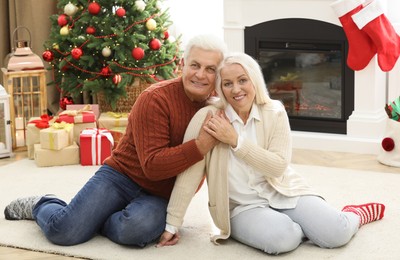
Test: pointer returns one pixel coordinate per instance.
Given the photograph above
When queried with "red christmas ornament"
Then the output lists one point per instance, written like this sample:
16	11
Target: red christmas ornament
117	79
90	30
62	20
120	12
76	53
65	68
388	144
155	44
94	8
64	101
166	35
138	53
106	71
48	56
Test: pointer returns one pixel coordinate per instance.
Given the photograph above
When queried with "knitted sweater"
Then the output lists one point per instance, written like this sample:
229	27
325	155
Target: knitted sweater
270	156
151	152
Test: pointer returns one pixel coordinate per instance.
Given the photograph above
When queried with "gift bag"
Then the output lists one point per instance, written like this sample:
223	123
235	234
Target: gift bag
390	146
389	153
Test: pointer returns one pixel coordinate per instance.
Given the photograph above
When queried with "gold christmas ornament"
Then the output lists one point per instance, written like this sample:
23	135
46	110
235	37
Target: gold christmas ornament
151	24
64	30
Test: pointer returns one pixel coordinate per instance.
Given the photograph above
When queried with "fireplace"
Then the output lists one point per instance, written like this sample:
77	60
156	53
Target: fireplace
304	66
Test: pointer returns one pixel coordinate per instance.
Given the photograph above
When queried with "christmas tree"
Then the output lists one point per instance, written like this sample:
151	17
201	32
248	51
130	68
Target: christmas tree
102	46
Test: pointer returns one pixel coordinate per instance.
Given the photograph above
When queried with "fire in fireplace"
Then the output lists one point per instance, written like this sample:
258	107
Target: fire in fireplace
304	65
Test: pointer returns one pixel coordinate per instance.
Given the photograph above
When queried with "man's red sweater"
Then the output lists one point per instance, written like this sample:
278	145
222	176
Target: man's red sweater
151	152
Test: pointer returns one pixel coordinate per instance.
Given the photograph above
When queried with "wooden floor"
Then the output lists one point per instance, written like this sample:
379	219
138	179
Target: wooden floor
309	157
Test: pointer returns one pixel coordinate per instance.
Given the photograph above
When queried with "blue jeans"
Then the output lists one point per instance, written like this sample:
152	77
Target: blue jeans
110	204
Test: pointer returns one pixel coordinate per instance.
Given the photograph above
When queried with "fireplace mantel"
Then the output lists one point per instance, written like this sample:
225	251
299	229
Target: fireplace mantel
373	88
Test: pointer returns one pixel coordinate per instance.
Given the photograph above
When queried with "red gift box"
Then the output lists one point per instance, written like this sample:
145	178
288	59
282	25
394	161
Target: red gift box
95	146
81	117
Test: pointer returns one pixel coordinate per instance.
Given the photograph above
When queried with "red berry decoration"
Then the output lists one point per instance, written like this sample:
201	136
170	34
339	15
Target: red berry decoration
90	30
138	53
62	20
388	144
106	71
64	101
166	35
76	53
155	44
94	8
48	56
117	79
120	12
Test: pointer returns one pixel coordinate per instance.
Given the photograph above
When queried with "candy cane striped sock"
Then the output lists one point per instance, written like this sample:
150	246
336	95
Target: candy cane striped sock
368	212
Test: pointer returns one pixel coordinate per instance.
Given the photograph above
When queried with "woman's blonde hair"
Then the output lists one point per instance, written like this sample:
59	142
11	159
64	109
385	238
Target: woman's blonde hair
252	69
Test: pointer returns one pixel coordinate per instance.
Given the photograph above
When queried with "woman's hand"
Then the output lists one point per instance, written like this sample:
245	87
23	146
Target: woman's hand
205	141
168	239
220	127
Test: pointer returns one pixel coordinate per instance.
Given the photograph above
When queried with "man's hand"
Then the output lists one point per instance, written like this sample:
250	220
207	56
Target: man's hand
168	239
205	142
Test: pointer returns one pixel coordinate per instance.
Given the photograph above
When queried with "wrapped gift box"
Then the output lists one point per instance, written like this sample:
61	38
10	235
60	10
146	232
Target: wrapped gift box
78	128
56	137
66	156
85	107
35	124
95	146
73	117
110	120
82	118
117	133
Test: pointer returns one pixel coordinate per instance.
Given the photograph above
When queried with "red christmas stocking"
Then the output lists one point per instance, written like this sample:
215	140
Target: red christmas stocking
361	47
373	21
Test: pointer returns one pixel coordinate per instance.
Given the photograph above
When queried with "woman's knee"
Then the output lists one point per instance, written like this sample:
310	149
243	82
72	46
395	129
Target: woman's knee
274	240
279	242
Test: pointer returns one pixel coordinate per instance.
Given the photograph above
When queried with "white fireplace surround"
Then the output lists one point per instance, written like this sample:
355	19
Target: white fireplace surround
373	88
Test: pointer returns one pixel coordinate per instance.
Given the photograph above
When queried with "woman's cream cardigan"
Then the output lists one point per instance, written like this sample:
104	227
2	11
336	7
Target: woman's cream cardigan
271	156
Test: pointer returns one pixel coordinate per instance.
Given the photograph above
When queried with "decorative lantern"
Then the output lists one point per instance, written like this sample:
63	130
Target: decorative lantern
5	128
25	81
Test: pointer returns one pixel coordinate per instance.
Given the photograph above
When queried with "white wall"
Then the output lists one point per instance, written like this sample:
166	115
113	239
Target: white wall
192	17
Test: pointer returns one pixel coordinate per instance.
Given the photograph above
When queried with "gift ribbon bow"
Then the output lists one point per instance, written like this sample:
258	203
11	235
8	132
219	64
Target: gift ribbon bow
43	122
86	108
117	115
62	125
96	135
59	126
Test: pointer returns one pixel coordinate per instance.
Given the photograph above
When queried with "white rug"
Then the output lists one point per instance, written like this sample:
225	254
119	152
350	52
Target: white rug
379	240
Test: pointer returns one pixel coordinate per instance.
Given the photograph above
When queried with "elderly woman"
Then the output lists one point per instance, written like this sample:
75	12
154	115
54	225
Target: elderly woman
255	197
